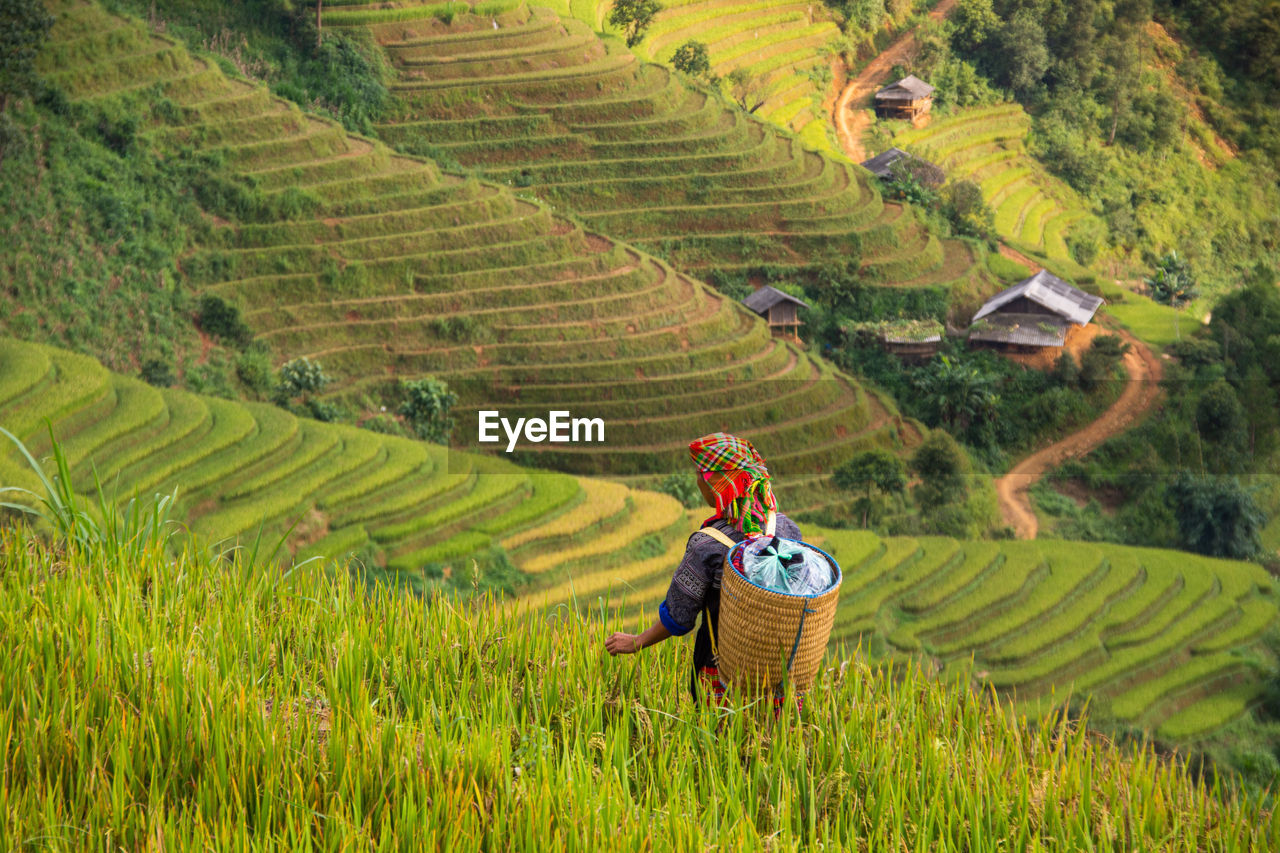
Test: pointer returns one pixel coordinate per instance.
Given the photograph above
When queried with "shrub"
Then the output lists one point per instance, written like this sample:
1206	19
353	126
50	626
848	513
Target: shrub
385	424
220	319
253	366
299	378
157	372
683	488
426	408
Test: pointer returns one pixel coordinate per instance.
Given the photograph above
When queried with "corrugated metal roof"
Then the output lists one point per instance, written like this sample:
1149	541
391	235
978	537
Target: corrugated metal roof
879	164
1035	330
1047	290
910	86
766	297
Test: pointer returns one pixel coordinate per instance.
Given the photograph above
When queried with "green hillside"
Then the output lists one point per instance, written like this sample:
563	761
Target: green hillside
405	505
383	267
987	145
230	707
1160	640
634	150
783	45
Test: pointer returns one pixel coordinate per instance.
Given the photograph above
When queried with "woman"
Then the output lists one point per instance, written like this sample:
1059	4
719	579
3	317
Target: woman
735	482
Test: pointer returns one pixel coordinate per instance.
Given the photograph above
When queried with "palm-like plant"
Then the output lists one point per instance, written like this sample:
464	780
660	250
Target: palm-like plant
1172	283
959	395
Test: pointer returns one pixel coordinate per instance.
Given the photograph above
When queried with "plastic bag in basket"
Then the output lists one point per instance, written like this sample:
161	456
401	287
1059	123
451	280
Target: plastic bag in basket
784	565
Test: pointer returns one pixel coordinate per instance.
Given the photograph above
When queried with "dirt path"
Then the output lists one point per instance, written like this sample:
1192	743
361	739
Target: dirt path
1014	255
858	91
1139	395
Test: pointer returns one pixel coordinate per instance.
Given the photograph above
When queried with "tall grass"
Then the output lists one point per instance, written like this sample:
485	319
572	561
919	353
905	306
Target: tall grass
167	702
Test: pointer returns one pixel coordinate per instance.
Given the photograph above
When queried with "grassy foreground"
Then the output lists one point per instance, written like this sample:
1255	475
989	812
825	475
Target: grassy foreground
161	703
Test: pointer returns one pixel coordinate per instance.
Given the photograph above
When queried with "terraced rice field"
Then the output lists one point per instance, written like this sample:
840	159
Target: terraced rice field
987	145
1158	639
401	270
238	466
542	103
779	42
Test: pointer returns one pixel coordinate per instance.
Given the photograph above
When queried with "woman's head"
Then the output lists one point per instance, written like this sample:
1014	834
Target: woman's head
734	479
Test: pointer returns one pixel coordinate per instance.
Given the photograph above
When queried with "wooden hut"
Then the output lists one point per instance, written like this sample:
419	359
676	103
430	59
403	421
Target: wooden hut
884	165
1036	312
909	98
778	308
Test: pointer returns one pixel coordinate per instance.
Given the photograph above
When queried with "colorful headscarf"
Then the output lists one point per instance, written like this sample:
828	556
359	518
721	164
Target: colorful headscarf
739	478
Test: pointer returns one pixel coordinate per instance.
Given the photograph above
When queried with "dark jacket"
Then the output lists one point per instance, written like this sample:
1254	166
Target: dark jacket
695	588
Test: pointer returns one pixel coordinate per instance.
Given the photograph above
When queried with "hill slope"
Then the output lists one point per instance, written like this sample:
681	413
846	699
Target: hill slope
387	268
987	145
1162	640
636	151
406	505
293	712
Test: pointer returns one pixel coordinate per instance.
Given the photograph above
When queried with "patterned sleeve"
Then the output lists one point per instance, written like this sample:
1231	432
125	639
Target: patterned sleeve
690	583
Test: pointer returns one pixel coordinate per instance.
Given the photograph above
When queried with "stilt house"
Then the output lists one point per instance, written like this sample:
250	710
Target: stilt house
779	308
908	99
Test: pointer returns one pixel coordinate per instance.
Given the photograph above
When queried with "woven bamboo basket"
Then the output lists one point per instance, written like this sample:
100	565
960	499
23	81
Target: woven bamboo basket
769	639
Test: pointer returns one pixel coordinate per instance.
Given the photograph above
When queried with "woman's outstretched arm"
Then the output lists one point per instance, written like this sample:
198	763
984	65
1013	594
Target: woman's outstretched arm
625	644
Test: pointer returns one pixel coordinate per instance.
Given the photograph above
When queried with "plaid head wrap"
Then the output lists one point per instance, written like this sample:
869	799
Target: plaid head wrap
739	478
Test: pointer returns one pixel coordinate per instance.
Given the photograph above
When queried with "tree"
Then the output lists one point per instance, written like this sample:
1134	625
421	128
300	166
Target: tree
23	27
958	395
943	470
743	86
1066	372
633	17
1023	57
975	24
871	471
426	407
1220	417
1172	282
1216	516
299	378
692	58
967	211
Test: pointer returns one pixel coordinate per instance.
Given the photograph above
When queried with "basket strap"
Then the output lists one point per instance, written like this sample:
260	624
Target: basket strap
718	536
780	691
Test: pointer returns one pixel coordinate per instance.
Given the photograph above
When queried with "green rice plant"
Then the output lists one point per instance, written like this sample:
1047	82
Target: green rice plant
1211	713
1075	614
1134	702
946	630
333	694
650	512
103	530
356	17
23	368
1257	615
137	405
186	414
228	424
77	381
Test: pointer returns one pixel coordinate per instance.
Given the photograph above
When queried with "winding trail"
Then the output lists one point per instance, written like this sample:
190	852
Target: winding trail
1138	397
850	123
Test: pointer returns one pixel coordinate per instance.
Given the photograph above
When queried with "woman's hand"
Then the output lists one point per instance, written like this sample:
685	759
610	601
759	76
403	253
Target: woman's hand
619	643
